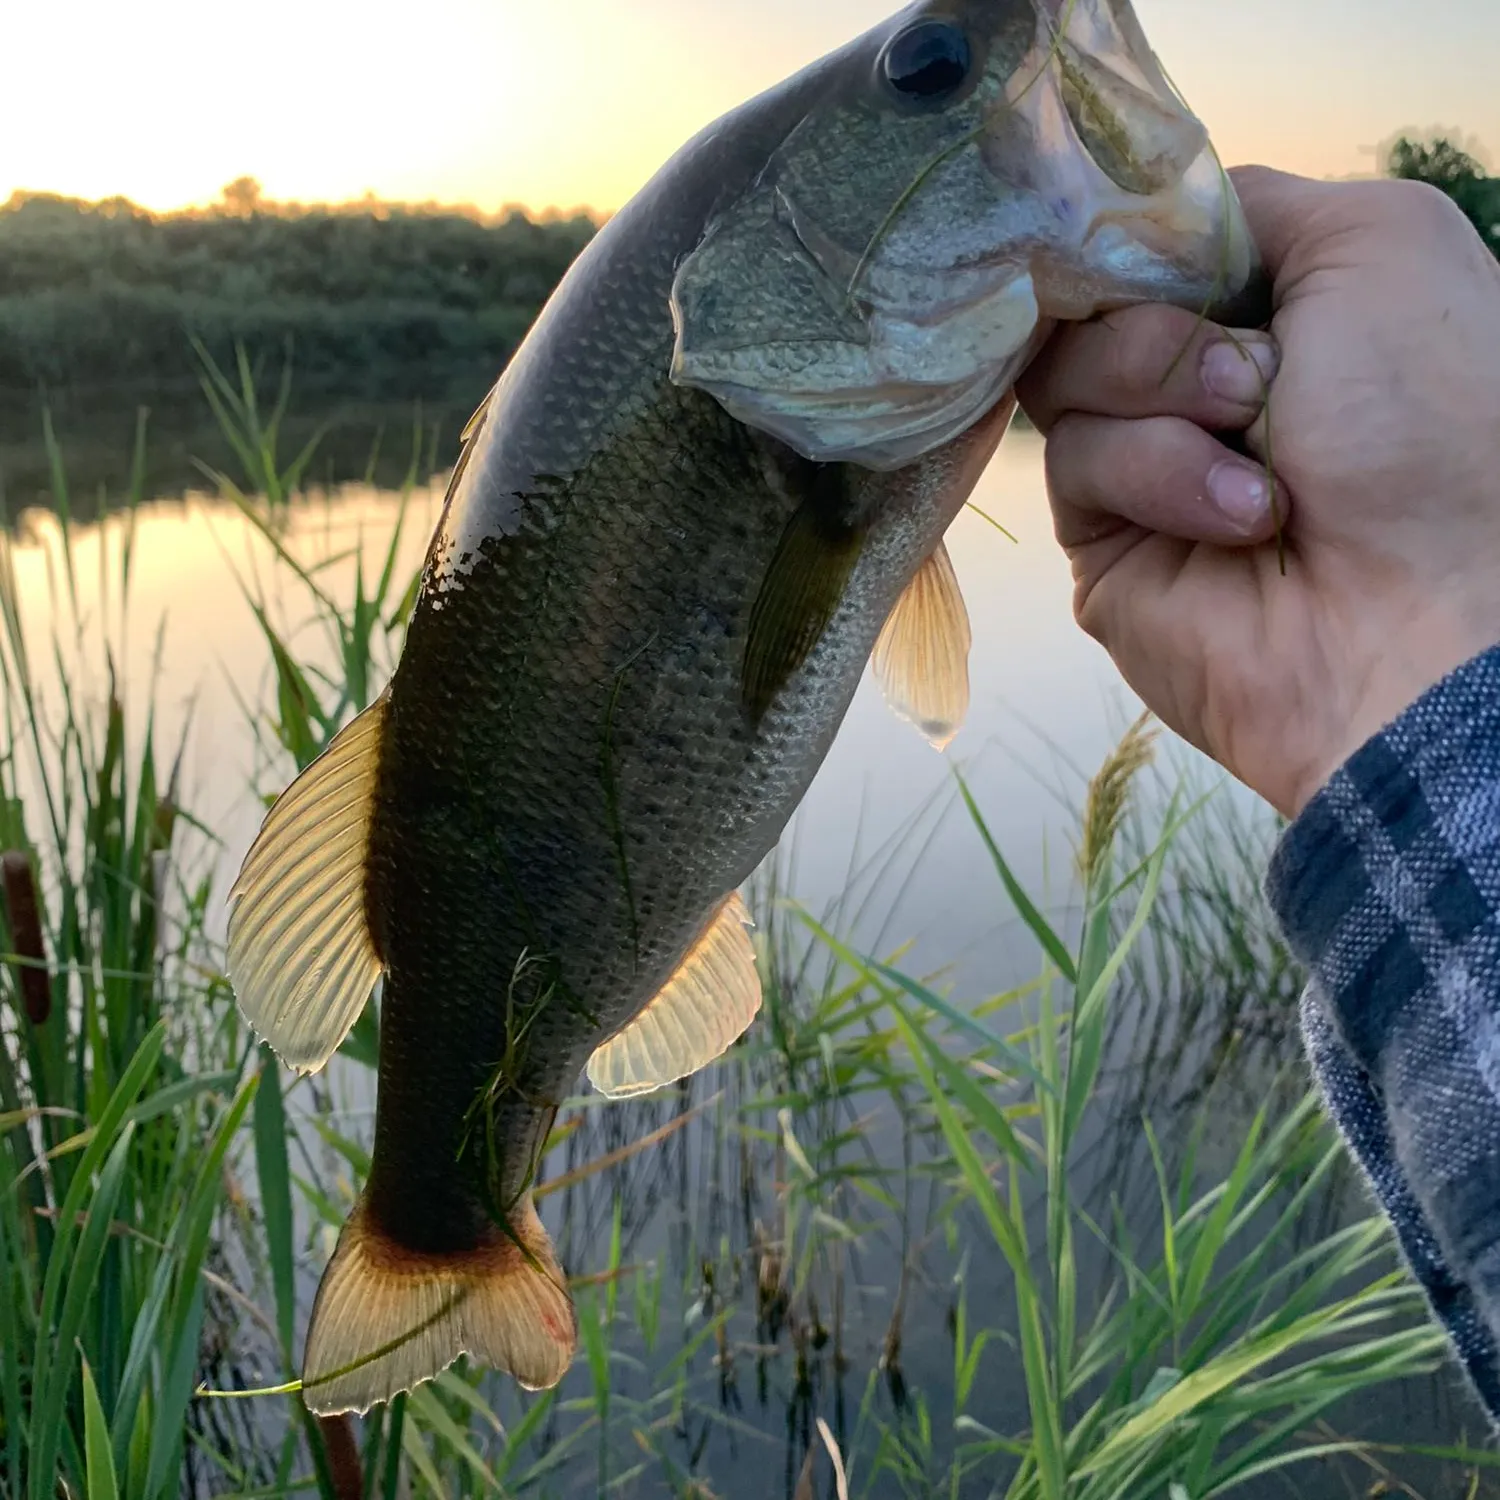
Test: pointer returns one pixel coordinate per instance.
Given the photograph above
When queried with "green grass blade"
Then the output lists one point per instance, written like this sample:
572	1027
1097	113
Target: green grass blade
184	1315
49	1403
45	1435
1040	928
1218	1375
14	1297
1014	1059
395	1426
987	1115
274	1174
139	1358
882	975
181	1367
420	1458
523	1432
424	1405
99	1459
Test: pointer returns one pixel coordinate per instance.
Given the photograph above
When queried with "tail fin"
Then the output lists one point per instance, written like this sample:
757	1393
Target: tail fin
387	1318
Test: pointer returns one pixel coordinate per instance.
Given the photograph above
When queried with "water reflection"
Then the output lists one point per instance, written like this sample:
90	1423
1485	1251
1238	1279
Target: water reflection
360	437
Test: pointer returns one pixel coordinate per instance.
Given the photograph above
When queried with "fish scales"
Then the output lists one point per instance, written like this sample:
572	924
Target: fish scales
617	706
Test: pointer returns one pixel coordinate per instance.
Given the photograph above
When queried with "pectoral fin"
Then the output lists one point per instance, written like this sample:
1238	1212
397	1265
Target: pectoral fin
802	590
300	955
698	1015
922	657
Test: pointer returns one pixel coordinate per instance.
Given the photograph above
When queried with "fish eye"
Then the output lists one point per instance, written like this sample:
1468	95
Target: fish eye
928	62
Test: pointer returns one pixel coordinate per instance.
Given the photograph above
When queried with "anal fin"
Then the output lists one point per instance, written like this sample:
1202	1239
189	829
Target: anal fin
387	1318
922	657
701	1011
300	955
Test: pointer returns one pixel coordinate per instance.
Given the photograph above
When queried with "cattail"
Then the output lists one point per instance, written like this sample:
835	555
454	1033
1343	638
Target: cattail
344	1467
24	915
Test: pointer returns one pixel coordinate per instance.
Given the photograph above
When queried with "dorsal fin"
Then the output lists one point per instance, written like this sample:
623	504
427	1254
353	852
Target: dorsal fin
300	956
922	657
697	1016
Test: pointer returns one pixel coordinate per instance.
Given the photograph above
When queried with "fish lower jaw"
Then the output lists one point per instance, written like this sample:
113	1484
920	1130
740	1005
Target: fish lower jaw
1070	294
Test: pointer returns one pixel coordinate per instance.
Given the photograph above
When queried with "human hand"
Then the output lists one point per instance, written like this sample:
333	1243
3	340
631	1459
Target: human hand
1383	427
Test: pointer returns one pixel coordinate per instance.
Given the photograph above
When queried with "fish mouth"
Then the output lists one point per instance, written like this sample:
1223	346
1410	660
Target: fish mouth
1141	207
1109	190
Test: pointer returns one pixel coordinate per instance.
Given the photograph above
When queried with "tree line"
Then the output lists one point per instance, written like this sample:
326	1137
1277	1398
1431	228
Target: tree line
369	297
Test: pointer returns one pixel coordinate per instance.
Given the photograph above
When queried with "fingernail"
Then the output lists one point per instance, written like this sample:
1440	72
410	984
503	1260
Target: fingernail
1240	493
1241	368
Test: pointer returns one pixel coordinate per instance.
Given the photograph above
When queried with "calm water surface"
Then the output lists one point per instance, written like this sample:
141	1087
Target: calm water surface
880	822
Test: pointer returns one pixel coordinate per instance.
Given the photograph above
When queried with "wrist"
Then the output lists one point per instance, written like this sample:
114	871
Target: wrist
1416	658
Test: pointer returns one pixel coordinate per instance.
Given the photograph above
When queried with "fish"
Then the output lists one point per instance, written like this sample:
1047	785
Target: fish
708	490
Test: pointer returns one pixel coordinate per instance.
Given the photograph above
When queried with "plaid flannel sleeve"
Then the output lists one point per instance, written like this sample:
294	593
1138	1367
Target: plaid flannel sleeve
1388	888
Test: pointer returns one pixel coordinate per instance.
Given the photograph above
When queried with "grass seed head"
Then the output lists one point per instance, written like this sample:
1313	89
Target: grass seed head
1109	796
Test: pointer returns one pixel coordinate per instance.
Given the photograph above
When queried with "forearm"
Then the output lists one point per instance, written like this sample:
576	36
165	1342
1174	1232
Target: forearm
1388	887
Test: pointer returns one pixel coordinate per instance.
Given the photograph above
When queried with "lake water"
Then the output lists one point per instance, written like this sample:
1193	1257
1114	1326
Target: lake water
882	820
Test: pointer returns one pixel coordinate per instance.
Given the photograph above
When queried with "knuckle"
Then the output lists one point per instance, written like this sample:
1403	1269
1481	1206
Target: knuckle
1416	206
1147	343
1086	613
1092	610
1068	455
1083	616
1421	198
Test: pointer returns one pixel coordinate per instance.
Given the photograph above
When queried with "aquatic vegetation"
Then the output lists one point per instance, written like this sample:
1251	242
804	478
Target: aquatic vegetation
869	1248
122	1080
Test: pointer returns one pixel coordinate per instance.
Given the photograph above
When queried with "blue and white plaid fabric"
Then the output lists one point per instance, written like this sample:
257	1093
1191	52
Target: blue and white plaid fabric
1388	888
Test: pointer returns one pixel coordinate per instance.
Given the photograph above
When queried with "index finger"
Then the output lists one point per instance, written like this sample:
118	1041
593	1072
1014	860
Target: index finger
1150	361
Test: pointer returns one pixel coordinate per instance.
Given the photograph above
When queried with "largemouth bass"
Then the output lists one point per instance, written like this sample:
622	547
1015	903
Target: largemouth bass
711	485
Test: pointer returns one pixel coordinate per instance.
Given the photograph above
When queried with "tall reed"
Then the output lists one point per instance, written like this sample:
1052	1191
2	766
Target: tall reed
121	1061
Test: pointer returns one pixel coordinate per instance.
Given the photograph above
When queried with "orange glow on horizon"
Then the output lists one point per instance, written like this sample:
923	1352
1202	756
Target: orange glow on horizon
505	101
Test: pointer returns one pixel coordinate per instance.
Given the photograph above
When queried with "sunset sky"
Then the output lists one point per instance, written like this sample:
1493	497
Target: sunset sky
574	102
